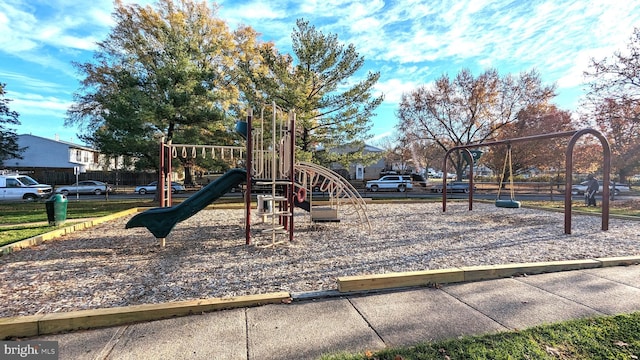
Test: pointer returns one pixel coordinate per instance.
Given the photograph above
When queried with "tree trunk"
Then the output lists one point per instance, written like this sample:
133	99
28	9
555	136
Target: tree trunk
305	139
188	177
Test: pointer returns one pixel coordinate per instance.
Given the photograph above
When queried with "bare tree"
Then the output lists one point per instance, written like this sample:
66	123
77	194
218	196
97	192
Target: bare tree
468	109
617	78
543	154
613	101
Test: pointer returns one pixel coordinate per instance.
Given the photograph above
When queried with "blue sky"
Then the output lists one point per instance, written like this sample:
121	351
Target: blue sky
411	43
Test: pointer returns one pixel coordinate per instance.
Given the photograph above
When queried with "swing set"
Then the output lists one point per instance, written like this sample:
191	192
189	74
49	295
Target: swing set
512	203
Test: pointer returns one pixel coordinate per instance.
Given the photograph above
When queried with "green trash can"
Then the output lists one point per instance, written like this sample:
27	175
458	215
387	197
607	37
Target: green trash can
56	209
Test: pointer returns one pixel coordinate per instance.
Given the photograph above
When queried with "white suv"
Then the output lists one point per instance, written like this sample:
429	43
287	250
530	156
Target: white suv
22	187
391	182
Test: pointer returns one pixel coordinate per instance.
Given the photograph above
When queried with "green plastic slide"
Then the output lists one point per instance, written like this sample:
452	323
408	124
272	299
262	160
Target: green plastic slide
160	221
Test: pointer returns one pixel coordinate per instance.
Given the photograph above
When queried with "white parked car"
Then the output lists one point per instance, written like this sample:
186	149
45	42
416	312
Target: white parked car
400	183
440	174
22	187
84	187
618	188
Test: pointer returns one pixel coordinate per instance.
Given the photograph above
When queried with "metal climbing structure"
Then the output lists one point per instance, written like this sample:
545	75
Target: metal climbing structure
169	151
342	195
272	167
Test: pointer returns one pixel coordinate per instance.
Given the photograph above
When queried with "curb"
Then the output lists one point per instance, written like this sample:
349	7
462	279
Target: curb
45	324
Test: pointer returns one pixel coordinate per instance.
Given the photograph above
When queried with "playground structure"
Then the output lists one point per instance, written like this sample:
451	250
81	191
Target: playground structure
575	135
269	159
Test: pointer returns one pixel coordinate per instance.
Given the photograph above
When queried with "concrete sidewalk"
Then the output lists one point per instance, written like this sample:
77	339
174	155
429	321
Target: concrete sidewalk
308	328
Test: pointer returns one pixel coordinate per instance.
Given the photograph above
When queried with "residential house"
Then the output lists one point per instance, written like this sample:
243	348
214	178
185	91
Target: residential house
44	157
357	171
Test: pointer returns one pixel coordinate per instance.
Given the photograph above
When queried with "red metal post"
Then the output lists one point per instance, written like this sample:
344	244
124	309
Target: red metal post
444	177
249	167
167	188
161	174
606	169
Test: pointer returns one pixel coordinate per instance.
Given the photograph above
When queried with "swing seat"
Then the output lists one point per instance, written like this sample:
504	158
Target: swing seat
508	204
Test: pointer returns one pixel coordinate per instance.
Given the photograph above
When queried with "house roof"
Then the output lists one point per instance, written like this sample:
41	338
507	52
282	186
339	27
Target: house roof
68	143
347	148
372	148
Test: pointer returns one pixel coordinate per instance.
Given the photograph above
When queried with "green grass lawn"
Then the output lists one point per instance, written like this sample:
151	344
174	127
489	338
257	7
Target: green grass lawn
612	337
17	217
617	207
16	233
28	212
22	220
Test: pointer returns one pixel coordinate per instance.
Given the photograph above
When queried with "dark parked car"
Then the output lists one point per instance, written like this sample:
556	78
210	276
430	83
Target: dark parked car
419	180
455	186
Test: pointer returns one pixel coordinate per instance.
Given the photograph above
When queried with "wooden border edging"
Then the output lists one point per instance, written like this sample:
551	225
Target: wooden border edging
397	280
39	239
37	325
472	273
619	261
476	273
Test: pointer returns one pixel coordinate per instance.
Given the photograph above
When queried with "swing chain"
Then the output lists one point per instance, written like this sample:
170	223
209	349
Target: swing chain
507	157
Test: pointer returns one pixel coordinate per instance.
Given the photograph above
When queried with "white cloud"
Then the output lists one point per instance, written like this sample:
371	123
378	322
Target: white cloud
394	88
365	25
555	37
251	13
380	137
15	25
27	104
66	25
31	83
102	17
